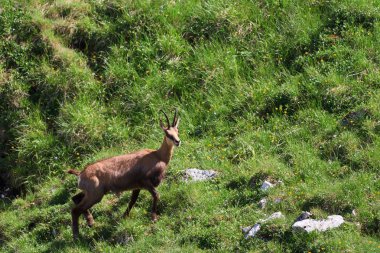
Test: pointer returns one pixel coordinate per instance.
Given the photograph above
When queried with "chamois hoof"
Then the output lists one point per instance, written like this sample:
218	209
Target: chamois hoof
89	219
125	215
75	237
154	217
90	223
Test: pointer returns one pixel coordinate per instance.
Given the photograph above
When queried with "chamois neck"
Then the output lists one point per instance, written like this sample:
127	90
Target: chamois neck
165	152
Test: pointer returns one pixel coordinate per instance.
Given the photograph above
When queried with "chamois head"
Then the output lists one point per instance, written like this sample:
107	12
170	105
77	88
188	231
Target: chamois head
171	131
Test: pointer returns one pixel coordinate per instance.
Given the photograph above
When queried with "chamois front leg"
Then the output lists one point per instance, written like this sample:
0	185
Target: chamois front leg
156	197
135	194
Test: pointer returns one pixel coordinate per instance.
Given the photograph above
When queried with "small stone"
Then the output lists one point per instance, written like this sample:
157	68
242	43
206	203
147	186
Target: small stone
354	212
304	215
309	225
263	203
193	174
253	231
277	200
246	229
2	196
266	185
276	215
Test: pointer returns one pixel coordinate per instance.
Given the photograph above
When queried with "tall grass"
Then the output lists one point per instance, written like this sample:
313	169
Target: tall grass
286	90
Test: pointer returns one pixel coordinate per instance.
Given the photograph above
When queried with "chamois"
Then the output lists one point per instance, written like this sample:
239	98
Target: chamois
143	169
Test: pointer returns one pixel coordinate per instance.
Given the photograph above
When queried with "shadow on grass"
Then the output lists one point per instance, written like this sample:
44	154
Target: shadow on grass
61	197
58	246
331	204
86	238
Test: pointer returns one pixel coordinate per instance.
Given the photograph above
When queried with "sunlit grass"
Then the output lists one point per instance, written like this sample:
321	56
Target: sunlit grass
286	91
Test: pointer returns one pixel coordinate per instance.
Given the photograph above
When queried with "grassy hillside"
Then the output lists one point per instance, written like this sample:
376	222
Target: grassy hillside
286	90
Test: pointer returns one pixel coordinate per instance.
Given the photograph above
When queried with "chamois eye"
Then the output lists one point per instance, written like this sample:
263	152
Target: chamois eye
170	137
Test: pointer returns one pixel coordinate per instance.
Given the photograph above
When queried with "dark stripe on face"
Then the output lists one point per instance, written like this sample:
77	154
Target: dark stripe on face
170	137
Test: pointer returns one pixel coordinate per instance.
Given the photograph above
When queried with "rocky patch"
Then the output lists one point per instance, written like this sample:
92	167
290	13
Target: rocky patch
308	225
194	174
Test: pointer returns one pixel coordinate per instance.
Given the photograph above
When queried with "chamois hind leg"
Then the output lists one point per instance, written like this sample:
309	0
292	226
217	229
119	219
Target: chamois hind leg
87	215
87	202
135	194
155	197
78	198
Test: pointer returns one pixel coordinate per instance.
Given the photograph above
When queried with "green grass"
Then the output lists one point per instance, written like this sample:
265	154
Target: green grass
287	90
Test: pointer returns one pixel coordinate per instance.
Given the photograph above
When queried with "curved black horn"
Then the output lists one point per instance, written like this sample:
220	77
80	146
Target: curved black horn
166	116
175	117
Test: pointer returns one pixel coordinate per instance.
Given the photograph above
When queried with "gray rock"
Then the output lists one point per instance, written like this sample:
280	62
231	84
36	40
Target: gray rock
309	225
193	174
266	185
263	203
276	215
252	231
246	229
304	215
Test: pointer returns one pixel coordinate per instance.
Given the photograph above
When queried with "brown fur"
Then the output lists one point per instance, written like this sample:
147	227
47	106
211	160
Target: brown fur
143	169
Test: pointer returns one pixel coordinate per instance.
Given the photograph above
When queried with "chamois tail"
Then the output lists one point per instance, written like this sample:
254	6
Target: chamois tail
74	172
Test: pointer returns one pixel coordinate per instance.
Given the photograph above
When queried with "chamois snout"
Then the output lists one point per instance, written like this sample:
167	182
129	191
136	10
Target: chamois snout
177	143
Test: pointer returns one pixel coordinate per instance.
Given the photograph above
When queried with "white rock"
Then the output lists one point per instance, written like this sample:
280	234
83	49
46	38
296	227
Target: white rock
266	185
277	200
253	231
354	212
309	225
276	215
246	229
193	174
263	203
